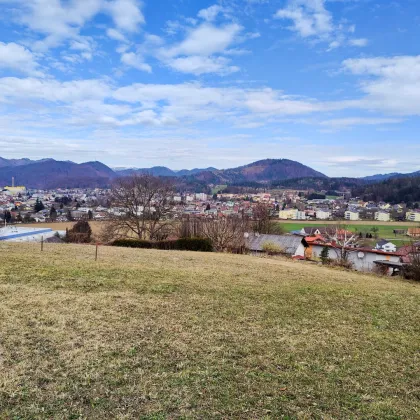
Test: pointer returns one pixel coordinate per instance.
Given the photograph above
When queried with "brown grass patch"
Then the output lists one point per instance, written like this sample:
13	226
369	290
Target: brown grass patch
165	334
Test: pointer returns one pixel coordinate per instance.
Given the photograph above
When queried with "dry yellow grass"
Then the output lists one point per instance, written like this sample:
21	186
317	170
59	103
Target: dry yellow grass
95	225
164	334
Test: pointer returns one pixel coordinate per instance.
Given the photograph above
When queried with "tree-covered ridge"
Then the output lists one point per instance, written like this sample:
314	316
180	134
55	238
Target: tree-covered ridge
396	190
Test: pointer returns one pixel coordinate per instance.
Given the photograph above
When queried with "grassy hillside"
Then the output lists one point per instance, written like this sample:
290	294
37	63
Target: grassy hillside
156	334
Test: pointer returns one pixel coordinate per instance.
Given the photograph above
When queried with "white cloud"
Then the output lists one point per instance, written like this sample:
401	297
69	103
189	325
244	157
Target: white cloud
88	100
392	84
15	57
353	121
13	88
114	34
206	40
310	17
210	13
198	65
361	161
272	102
126	14
358	42
136	61
312	20
60	20
202	50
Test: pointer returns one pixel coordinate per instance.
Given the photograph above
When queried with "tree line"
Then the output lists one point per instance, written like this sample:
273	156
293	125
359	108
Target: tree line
395	190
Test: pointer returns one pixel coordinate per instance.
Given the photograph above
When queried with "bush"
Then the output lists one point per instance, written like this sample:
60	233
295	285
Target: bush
342	263
183	244
412	271
194	244
325	257
272	249
80	233
133	243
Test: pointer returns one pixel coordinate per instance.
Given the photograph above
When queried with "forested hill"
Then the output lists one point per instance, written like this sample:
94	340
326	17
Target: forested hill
319	184
395	190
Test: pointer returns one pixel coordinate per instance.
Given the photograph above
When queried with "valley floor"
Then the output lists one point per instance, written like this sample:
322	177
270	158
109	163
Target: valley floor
165	334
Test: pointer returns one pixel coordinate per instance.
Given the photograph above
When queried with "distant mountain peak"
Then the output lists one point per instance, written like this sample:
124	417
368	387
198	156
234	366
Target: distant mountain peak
50	173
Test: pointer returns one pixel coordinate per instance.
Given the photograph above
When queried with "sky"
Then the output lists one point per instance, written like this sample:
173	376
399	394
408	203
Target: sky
333	84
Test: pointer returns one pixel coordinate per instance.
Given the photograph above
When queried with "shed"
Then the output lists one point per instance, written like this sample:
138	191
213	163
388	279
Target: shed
291	244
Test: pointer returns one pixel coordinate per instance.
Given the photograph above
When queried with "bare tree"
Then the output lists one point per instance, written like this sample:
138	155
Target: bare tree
262	223
412	269
141	207
226	233
190	227
341	240
261	214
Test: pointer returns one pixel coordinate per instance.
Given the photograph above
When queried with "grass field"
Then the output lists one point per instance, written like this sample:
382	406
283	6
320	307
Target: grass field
161	334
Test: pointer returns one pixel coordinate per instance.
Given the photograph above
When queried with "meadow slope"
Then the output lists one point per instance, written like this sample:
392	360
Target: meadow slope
162	334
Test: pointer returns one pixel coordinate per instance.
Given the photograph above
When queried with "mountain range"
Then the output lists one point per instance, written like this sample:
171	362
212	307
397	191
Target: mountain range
52	174
161	171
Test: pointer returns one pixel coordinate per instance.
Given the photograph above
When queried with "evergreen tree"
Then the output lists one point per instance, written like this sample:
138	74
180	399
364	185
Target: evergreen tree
325	255
39	206
53	213
8	216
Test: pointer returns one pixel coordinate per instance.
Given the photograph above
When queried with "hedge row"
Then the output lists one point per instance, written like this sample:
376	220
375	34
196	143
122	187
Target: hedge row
183	244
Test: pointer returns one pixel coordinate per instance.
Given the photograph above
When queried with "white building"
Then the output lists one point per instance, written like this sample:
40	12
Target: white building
26	234
201	197
386	246
300	215
293	214
362	259
413	216
323	214
382	216
351	215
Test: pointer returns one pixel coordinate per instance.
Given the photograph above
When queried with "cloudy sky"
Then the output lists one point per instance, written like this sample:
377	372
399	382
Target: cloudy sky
334	84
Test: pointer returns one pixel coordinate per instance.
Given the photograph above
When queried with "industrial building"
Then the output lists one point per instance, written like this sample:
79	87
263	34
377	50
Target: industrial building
26	234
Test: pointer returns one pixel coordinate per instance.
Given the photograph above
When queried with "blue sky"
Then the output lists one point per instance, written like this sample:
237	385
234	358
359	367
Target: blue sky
334	84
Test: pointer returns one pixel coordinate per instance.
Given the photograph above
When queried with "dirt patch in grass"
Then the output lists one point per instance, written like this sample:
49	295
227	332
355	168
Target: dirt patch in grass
164	334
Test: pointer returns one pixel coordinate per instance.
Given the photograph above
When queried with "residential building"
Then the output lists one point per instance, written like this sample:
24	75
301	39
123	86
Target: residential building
288	214
300	215
386	246
323	214
294	214
351	215
382	216
413	216
362	259
201	197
